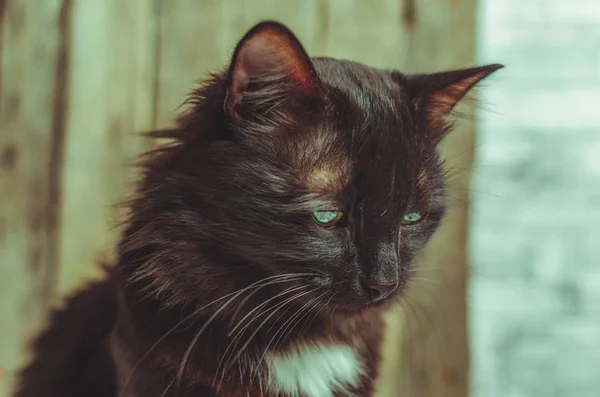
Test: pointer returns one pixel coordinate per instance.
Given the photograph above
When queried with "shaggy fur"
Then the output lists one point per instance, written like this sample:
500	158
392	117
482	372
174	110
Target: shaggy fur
222	270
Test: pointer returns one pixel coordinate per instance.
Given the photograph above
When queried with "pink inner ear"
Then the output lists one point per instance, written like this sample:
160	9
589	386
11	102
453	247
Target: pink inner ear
270	52
443	101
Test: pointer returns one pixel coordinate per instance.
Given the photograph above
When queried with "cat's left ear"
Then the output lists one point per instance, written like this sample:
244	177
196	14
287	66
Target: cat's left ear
438	93
268	65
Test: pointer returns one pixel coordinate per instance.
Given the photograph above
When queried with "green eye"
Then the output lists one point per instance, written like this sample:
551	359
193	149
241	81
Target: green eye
327	218
411	219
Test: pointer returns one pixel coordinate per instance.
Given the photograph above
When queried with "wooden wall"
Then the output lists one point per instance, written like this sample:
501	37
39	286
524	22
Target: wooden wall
79	77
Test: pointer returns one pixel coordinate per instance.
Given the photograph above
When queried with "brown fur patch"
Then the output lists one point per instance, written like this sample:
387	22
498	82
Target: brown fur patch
323	168
329	178
422	180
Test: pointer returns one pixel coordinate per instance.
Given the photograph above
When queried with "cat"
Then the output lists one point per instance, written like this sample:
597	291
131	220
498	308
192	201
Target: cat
266	240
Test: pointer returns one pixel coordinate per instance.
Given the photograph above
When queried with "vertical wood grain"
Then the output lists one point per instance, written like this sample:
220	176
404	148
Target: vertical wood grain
111	92
196	38
367	32
33	55
435	348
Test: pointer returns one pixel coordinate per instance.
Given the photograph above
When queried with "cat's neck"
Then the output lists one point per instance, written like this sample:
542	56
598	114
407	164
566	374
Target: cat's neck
211	344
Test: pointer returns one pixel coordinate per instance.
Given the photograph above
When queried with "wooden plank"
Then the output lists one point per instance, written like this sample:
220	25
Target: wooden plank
368	32
435	350
196	38
111	97
31	107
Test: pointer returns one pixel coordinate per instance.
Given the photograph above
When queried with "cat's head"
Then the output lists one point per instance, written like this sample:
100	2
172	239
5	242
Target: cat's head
321	169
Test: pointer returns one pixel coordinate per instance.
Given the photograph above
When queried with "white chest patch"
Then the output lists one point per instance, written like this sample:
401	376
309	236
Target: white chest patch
314	370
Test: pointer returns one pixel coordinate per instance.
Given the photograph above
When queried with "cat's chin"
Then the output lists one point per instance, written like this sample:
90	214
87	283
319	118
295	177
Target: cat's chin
367	307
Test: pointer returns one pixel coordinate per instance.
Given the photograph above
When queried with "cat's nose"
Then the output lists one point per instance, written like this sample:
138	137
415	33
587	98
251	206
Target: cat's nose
381	291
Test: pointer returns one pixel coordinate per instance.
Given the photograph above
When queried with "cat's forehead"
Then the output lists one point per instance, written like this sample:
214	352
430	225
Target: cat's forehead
335	156
367	138
362	84
377	178
324	163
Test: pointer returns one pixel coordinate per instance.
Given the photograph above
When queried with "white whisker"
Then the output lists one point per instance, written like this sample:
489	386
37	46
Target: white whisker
241	331
237	293
277	308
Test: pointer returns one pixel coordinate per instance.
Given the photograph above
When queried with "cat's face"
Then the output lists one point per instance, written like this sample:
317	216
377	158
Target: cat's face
319	168
351	189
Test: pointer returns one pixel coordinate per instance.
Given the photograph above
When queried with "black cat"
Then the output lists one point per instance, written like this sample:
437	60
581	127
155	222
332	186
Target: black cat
265	242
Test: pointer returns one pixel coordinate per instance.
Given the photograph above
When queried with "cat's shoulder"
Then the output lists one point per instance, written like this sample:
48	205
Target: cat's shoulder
73	337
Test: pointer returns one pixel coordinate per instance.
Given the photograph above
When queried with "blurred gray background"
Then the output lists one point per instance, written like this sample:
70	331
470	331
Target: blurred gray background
534	296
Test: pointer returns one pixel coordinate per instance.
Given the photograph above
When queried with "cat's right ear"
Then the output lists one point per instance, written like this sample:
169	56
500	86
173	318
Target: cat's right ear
438	93
267	66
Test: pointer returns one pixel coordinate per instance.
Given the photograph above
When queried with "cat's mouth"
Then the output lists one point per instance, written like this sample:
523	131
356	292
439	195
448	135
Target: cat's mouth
357	309
353	299
354	295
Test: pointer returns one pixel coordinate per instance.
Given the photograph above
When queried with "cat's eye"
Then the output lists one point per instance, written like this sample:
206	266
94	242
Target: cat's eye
411	219
327	218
